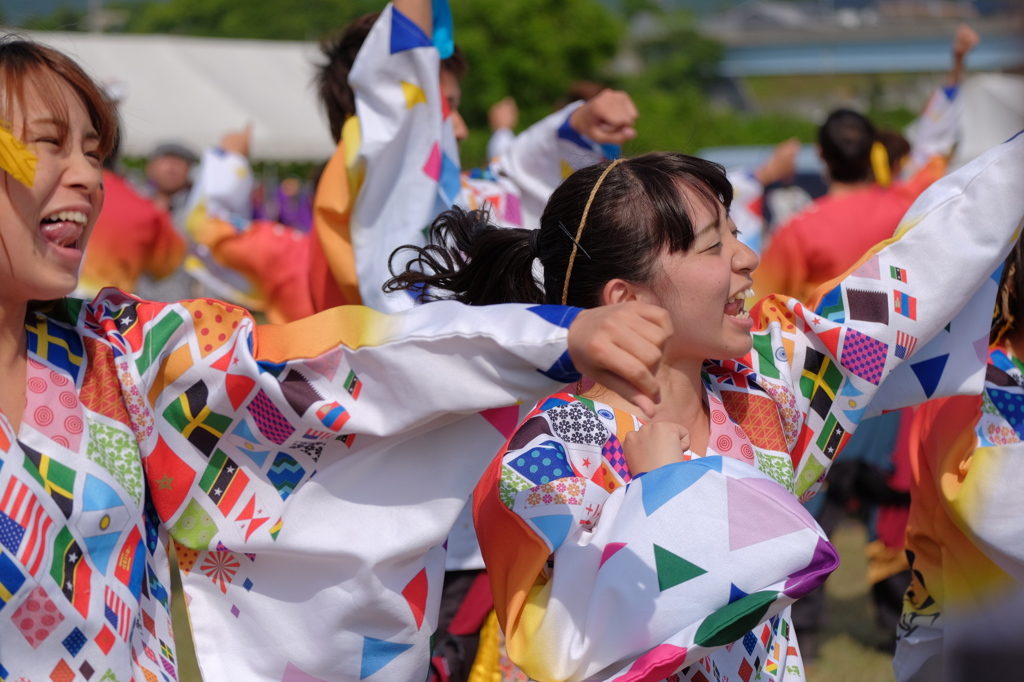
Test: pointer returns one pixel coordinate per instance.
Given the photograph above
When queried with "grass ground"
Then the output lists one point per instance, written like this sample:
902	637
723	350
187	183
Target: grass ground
849	646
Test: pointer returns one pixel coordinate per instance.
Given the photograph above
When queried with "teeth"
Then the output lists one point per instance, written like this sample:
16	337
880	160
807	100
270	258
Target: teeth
746	293
69	216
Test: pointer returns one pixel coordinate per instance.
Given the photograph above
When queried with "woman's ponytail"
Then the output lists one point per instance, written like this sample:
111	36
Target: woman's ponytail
468	259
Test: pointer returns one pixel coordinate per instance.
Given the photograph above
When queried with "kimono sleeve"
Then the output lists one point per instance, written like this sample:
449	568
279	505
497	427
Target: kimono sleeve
339	449
543	155
573	567
402	158
909	322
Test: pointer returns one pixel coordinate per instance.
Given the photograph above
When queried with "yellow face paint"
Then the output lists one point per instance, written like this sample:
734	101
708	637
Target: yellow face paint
16	159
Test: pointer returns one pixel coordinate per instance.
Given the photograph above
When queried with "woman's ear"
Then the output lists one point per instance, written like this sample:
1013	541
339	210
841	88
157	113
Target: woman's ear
620	291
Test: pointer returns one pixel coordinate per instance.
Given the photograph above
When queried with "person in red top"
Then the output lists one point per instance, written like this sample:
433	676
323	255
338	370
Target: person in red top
132	236
825	239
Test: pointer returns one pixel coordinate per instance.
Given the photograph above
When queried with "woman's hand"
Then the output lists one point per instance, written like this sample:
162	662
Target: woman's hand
620	346
654	445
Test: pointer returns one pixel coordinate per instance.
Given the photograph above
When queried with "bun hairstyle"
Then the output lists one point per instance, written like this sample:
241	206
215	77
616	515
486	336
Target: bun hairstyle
638	210
846	138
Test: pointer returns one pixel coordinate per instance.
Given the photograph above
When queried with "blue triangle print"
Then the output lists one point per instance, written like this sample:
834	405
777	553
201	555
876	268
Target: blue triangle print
451	178
998	274
554	528
100	548
377	653
405	34
664	483
735	593
929	372
558	315
849	390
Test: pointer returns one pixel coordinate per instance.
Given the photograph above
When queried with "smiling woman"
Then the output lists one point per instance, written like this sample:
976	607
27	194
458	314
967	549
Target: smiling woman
126	425
631	547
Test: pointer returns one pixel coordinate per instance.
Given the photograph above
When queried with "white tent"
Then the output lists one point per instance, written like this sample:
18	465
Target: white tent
193	90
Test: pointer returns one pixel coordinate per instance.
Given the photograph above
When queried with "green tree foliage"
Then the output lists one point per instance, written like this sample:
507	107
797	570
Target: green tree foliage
62	19
260	19
531	49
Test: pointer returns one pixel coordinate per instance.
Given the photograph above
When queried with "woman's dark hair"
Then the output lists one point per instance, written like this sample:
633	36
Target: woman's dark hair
1010	299
638	211
845	139
896	147
332	77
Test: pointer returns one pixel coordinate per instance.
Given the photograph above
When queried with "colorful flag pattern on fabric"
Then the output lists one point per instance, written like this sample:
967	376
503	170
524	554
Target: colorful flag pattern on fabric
436	438
823	372
58	480
200	425
104	557
71	571
117	613
11	578
60	347
223	481
904	304
24	525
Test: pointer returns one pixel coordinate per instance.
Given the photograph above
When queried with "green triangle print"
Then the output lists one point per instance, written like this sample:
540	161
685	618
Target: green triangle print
673	569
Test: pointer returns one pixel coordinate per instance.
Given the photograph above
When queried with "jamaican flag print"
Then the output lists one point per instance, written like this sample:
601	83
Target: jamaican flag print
190	415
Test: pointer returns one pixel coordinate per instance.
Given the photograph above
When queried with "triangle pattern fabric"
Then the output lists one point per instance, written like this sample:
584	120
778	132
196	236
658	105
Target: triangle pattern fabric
377	653
981	349
869	269
405	34
657	664
415	594
673	569
929	372
735	593
292	673
824	560
751	523
238	388
505	419
610	550
672	480
553	528
830	337
556	314
433	165
413	95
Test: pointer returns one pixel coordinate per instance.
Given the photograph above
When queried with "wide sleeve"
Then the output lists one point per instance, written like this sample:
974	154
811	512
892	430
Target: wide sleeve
909	322
543	155
401	154
576	560
936	132
317	467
